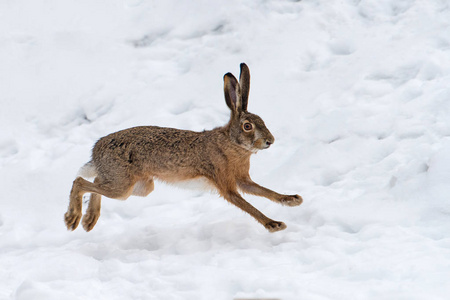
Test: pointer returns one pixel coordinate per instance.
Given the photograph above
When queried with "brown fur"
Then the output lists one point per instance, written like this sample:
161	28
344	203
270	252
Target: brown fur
126	162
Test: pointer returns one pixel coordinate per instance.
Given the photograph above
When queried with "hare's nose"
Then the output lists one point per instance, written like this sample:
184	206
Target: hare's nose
269	142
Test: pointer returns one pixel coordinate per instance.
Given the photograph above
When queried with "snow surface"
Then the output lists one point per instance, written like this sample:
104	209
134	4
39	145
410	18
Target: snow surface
356	93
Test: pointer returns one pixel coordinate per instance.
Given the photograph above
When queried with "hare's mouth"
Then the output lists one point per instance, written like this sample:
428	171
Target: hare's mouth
261	144
266	146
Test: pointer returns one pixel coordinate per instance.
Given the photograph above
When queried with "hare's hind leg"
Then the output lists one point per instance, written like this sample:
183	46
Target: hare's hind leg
143	187
118	188
93	211
73	215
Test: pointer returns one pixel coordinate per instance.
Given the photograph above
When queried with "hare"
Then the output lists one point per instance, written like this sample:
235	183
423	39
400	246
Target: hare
126	162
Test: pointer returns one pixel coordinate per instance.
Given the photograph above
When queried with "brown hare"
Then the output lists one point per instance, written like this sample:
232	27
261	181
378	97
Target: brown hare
126	162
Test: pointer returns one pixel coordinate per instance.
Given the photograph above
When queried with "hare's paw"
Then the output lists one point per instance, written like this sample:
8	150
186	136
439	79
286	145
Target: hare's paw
274	226
72	219
89	220
291	200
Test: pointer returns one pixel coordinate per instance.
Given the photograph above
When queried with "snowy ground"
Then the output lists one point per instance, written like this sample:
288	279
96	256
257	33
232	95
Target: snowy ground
357	94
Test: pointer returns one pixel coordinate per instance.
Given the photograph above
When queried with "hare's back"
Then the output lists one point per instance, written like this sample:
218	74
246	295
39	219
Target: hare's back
146	145
147	138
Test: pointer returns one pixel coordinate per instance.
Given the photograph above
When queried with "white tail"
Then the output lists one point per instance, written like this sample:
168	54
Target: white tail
87	171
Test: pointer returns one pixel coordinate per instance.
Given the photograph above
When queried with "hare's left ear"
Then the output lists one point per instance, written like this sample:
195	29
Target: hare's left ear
244	82
232	93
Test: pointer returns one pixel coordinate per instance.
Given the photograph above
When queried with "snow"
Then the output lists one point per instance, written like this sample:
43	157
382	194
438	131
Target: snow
356	94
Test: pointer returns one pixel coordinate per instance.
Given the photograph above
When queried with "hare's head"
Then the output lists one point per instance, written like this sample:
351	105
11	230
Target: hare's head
246	129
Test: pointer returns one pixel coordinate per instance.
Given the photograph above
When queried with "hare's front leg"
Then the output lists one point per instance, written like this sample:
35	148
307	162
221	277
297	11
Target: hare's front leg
240	202
250	187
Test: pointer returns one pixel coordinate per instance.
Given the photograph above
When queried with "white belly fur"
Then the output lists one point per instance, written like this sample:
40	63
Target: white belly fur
201	183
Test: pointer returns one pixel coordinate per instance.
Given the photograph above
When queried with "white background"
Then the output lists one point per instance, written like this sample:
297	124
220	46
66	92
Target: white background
356	93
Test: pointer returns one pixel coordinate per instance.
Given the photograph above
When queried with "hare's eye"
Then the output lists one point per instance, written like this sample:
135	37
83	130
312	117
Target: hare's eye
248	126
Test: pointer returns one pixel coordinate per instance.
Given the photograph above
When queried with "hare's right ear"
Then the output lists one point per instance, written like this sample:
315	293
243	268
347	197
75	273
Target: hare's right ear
244	83
232	92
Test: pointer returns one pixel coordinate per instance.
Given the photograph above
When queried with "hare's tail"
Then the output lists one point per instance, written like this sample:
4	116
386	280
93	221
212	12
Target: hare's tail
87	171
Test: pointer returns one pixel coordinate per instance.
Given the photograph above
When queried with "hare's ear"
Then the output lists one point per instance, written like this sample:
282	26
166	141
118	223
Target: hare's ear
244	82
232	92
